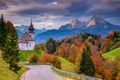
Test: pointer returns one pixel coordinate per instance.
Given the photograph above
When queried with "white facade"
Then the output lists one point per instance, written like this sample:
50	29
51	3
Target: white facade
27	46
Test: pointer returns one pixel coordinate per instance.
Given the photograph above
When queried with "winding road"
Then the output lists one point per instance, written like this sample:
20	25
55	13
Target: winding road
41	72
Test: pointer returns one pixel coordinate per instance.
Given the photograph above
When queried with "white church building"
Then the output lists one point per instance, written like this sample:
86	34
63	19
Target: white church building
26	41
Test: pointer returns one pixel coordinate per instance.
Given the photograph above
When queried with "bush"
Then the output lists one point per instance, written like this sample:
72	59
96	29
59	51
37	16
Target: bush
33	58
47	58
56	62
51	59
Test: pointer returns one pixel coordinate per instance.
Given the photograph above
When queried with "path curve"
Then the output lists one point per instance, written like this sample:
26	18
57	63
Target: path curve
41	72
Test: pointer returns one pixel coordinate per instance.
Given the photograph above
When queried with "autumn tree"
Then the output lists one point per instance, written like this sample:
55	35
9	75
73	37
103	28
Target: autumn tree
11	50
37	48
56	62
117	60
110	70
87	66
63	50
73	53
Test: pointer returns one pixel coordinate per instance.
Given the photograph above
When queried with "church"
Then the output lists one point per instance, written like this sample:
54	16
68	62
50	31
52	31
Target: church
26	41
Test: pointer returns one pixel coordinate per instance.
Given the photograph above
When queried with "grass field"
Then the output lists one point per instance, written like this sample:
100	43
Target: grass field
68	66
112	54
24	54
6	73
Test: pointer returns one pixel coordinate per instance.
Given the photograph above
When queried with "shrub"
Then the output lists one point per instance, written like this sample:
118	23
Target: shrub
33	58
56	62
47	58
51	59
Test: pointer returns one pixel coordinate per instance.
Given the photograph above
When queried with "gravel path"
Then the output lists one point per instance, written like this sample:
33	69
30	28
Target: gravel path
41	72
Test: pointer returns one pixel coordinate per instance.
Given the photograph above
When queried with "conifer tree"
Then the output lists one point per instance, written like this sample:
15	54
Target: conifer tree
3	32
51	46
11	50
87	66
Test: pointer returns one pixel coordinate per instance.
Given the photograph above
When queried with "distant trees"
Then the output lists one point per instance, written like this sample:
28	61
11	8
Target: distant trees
9	44
90	59
87	66
111	42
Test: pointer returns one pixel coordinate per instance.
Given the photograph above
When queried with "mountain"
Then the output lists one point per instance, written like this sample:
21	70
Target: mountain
96	25
24	28
73	25
21	29
61	34
97	21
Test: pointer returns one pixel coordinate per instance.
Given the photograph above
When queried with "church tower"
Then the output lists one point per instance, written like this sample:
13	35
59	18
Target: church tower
31	30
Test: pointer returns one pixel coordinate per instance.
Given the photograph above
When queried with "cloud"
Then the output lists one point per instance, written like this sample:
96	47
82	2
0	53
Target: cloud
79	8
51	21
105	6
3	5
54	13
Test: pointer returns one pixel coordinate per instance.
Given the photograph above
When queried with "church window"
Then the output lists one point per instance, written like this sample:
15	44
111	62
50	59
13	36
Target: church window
30	44
26	44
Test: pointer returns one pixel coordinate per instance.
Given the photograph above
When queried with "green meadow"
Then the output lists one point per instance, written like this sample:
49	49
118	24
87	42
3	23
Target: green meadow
112	54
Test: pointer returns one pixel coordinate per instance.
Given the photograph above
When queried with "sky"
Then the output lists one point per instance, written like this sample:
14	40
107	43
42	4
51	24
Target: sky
51	14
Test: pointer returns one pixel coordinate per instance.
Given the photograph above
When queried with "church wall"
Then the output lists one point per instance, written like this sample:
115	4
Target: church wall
27	46
22	46
31	45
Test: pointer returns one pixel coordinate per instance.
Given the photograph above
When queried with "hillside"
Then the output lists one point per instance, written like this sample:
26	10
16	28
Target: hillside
5	72
68	66
24	54
112	54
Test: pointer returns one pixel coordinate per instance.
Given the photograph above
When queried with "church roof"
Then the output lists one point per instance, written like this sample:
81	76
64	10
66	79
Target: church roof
25	38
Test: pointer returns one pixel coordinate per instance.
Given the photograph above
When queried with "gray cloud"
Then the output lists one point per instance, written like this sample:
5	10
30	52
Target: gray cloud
62	10
105	5
3	5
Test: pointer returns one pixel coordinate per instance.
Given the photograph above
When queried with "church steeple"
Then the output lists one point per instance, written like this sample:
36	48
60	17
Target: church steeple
31	28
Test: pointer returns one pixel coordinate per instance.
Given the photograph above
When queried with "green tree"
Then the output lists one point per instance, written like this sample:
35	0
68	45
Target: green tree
86	65
3	33
51	46
11	50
